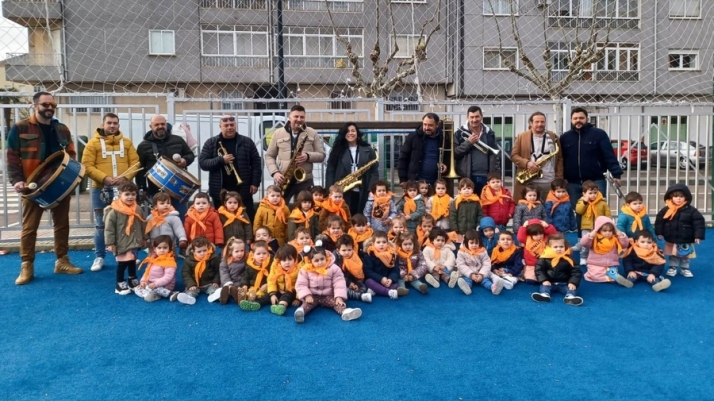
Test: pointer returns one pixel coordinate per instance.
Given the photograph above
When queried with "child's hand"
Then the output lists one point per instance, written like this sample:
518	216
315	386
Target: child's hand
389	283
497	230
409	277
183	244
192	288
215	285
477	278
339	302
651	278
383	281
308	299
438	270
112	248
571	286
500	271
151	286
263	288
544	223
546	283
274	299
354	287
296	302
632	275
697	241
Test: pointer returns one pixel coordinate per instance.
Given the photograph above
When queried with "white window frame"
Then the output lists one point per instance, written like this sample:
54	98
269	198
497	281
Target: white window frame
227	104
235	30
672	2
617	48
161	32
300	32
410	45
573	9
680	53
411	1
565	48
500	5
498	50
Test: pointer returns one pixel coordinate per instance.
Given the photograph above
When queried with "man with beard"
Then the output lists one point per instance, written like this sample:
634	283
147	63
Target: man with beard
159	142
29	143
419	155
471	161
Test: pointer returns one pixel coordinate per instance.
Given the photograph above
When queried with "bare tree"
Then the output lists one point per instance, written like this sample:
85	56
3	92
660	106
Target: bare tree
386	72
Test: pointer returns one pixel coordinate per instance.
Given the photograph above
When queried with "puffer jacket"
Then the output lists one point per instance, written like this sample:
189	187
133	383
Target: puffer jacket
588	222
632	263
171	227
265	216
279	153
466	217
522	214
501	213
375	269
213	231
167	147
331	284
419	268
414	217
529	258
250	275
686	226
488	243
247	162
468	264
237	229
446	258
624	224
514	264
465	150
276	283
231	273
587	154
562	218
412	152
609	259
115	230
211	275
562	273
98	167
162	277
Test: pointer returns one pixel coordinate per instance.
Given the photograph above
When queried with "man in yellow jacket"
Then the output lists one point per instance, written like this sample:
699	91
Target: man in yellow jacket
109	159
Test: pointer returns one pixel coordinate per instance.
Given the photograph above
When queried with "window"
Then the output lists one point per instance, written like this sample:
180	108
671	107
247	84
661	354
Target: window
401	100
499	59
244	4
621	62
579	13
319	47
680	60
499	7
98	100
340	104
321	5
620	57
685	8
161	43
407	44
227	102
244	41
410	1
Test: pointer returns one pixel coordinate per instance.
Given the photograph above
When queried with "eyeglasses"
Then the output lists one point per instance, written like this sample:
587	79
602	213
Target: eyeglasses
227	119
48	105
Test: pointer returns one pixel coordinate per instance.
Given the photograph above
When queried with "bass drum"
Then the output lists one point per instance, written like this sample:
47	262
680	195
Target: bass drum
56	178
172	179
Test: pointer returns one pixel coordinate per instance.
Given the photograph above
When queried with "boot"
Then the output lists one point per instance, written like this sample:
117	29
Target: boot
27	272
63	266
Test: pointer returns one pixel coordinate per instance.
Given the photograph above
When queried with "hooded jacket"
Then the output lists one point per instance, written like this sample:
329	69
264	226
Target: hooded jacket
115	234
213	231
686	226
601	209
563	217
414	217
99	166
465	151
609	259
211	275
528	257
562	273
331	284
488	243
166	147
587	154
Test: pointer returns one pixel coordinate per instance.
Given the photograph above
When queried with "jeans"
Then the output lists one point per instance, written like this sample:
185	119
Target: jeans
575	192
31	218
208	289
98	205
414	283
479	183
643	277
485	283
558	287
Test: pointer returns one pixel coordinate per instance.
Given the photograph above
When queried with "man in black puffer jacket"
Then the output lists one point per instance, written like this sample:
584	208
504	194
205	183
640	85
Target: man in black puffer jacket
419	154
242	153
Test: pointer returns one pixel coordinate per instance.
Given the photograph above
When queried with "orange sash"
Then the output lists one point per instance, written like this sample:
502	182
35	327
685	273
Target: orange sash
231	217
130	211
549	253
277	271
602	245
590	211
501	256
166	261
531	204
279	209
672	209
489	196
299	217
637	222
354	266
201	265
335	208
460	199
158	219
368	233
440	206
652	256
551	198
262	270
409	205
197	220
406	256
387	257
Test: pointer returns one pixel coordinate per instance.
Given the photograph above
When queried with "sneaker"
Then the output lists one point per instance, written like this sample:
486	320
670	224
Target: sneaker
151	297
393	294
277	309
215	295
402	292
299	315
174	296
662	285
453	277
577	248
238	294
573	300
133	282
249	306
431	280
186	299
423	288
226	294
540	297
122	288
508	283
583	262
351	314
464	286
63	266
685	272
366	297
623	281
497	287
97	264
672	271
371	292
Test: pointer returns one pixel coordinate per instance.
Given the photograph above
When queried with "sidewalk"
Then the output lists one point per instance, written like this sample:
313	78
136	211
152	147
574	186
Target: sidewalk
79	239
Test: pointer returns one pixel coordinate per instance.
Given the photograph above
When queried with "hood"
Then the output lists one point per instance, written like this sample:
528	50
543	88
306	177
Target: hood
487	222
110	139
601	221
679	187
149	136
174	213
533	221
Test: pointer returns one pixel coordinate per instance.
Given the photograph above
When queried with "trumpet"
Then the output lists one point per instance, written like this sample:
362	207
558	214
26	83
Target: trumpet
230	168
485	149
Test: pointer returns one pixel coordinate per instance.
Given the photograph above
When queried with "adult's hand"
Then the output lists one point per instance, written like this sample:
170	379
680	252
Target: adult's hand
253	189
403	185
617	181
19	186
182	163
279	178
228	158
532	166
473	138
301	158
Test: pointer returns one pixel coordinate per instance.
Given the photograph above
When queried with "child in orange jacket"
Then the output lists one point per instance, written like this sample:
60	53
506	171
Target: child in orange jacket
202	220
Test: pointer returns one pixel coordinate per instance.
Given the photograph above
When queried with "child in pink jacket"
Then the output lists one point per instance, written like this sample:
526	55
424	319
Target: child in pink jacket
606	243
159	279
321	282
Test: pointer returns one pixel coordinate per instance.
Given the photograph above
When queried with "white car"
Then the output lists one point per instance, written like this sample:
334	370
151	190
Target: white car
679	154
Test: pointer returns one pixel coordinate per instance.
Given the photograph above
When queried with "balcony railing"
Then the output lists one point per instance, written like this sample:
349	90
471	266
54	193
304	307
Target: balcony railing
321	5
33	59
600	76
239	4
316	62
234	61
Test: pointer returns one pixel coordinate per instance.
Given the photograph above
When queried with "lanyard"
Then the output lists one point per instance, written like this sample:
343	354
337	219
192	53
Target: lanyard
542	147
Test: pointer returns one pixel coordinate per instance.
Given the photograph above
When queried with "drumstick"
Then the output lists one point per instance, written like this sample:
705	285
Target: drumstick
32	186
127	172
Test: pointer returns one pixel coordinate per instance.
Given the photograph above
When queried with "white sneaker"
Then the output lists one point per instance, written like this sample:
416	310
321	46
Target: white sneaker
215	296
367	297
393	294
577	248
583	262
672	271
508	283
453	277
431	281
497	286
464	286
371	292
299	315
351	314
97	264
186	299
685	272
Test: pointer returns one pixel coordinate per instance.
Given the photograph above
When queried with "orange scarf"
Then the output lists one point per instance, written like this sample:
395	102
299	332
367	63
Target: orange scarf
489	196
231	217
590	211
603	246
300	217
201	266
335	238
318	205
310	268
197	220
262	270
409	205
387	257
368	233
130	211
353	265
277	271
551	198
422	236
437	251
158	219
531	204
440	206
167	261
501	256
335	208
549	253
279	209
672	209
406	256
460	198
465	249
391	236
652	256
637	222
298	247
535	247
382	203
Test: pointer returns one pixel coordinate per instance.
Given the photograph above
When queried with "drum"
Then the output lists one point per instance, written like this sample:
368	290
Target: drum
172	179
55	179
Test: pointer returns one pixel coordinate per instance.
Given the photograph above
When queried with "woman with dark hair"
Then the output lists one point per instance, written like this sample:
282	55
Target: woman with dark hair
349	153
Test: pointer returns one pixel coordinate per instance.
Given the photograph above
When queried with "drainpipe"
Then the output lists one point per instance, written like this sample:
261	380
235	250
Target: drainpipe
656	43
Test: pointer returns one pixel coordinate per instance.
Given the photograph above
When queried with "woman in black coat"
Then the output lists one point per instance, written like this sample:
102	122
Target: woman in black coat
349	153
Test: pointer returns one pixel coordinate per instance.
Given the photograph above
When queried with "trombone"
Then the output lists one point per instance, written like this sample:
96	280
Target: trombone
448	129
230	168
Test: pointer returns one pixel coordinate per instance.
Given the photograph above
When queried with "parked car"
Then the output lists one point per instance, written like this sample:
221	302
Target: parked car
679	154
630	153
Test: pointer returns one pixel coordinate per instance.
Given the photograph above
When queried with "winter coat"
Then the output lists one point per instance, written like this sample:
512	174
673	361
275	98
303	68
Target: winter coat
468	264
609	259
601	209
211	275
162	277
237	229
365	154
587	155
624	224
632	263
171	227
314	227
419	268
247	162
167	147
98	167
375	269
231	273
563	217
529	258
446	258
414	217
213	231
488	243
686	226
115	230
331	284
276	283
514	264
465	150
562	273
280	150
501	213
521	155
265	216
377	224
324	214
250	275
522	214
412	152
443	222
466	217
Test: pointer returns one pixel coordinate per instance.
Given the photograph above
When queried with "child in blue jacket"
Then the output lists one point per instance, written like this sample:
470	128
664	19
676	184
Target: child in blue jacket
489	237
633	216
558	208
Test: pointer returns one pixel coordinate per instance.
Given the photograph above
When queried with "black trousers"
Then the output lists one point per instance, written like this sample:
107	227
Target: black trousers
295	187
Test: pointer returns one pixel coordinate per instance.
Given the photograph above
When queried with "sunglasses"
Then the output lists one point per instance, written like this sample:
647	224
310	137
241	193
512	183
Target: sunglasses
48	105
227	119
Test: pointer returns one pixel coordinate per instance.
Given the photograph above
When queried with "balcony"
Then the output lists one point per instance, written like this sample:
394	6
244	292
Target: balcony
600	76
32	67
31	13
238	4
234	61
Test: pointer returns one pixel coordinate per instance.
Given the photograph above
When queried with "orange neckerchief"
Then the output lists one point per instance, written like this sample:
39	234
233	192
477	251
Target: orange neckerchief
278	272
262	269
422	236
368	233
335	238
167	261
391	236
590	211
602	245
652	256
201	265
298	247
672	209
531	204
460	198
551	198
535	247
637	223
300	217
279	209
407	256
489	196
409	205
310	268
353	265
477	252
197	219
501	256
440	206
382	203
549	253
158	219
231	217
317	205
130	211
335	208
437	251
387	257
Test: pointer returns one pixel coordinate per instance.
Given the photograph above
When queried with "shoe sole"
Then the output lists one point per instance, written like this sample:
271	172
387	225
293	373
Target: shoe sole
186	299
151	298
497	287
249	306
225	295
366	297
688	274
671	273
539	297
122	292
507	284
352	314
623	281
277	310
453	278
575	301
464	286
423	289
432	281
70	272
402	292
95	269
662	285
299	316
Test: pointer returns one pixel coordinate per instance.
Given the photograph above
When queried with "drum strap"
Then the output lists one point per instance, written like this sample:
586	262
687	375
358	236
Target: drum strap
156	150
113	155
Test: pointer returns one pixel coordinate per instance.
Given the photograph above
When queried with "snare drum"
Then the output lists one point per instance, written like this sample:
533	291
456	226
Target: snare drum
177	182
55	178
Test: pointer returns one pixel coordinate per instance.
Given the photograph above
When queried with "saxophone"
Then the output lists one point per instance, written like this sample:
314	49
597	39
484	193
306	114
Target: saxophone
525	175
352	180
293	171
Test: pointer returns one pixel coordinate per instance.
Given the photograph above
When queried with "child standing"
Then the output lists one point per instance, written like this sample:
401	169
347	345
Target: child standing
411	206
529	207
534	234
281	280
487	228
231	269
335	205
159	279
380	208
645	263
360	231
303	215
558	207
255	277
633	216
165	220
497	201
681	225
353	270
438	205
440	260
556	271
425	191
474	266
201	272
321	282
465	212
590	207
318	196
334	230
507	260
606	245
124	235
202	221
273	213
411	263
234	218
380	268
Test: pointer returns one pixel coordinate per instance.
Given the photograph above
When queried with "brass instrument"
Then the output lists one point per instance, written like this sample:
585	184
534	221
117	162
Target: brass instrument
448	129
482	146
230	168
610	179
526	175
352	180
293	171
